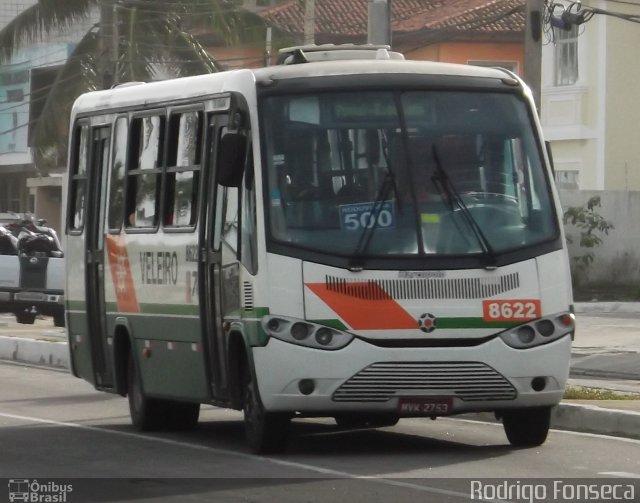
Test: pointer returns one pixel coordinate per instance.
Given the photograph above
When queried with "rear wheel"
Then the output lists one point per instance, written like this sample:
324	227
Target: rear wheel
366	420
266	432
527	427
147	414
181	415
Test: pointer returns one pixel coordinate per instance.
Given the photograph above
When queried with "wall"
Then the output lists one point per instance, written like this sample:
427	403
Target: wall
463	52
617	259
622	104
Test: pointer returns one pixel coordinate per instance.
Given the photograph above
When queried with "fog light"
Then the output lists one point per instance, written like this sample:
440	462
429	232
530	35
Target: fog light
545	327
324	336
538	383
299	331
526	334
306	386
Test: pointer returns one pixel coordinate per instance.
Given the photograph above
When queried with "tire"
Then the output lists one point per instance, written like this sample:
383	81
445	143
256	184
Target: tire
266	432
181	416
26	317
58	320
147	414
527	427
366	420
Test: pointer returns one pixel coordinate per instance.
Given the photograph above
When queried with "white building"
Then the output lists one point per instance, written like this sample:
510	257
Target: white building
589	109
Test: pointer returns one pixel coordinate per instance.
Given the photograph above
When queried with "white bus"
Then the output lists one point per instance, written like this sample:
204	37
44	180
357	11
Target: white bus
363	239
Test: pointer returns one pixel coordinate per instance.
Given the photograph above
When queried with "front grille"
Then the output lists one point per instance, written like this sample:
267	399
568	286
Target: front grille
424	288
470	381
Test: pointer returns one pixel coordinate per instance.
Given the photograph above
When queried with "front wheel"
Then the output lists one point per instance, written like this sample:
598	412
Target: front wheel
527	427
266	432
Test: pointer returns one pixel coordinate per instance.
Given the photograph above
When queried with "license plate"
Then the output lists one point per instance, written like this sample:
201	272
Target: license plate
30	296
425	406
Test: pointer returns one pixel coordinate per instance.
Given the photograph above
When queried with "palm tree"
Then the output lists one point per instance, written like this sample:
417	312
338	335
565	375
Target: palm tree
153	42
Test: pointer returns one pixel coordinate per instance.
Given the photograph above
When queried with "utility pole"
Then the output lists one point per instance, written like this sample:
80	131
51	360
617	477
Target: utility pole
379	27
309	22
267	49
533	48
106	29
108	43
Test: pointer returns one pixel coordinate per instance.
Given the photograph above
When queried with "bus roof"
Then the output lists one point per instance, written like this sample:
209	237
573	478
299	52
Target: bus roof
135	94
368	66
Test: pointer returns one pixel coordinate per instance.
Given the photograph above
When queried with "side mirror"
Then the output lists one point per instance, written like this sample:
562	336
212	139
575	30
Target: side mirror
232	151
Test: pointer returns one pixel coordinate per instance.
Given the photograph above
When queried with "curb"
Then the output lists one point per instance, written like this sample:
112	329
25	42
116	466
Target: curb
50	354
593	419
606	307
566	416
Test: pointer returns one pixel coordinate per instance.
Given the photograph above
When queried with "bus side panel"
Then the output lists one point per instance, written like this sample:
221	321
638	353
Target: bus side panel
173	365
162	312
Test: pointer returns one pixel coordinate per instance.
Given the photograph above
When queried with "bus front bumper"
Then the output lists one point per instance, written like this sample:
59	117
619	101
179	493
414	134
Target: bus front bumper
366	378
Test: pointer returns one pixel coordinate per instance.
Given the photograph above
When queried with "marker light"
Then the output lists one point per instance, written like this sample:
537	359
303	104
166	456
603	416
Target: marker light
538	332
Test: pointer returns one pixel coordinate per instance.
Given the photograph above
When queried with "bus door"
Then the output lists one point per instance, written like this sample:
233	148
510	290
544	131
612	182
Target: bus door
94	254
210	270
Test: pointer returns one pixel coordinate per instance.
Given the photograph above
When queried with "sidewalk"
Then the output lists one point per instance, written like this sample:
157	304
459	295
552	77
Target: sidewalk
605	355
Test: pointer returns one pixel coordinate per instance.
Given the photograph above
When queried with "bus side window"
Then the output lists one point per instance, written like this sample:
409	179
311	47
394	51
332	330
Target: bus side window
116	183
144	162
78	185
183	169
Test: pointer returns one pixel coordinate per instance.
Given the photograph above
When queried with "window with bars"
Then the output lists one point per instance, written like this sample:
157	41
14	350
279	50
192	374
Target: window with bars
566	56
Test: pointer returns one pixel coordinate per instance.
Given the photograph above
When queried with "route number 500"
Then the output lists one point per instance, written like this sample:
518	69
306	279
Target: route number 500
511	310
367	220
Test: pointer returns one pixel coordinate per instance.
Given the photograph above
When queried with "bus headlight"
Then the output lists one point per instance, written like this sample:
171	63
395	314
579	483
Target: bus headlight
304	333
540	331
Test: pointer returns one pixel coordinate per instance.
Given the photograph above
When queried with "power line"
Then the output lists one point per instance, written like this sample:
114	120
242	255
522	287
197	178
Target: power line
577	13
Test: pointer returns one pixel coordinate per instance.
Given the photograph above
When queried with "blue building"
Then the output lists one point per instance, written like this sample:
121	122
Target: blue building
24	81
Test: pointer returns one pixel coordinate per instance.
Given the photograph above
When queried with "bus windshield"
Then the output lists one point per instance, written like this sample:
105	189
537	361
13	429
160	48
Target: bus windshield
385	173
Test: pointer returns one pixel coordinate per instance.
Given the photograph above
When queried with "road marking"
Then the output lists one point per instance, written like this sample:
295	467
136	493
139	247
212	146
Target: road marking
225	452
624	475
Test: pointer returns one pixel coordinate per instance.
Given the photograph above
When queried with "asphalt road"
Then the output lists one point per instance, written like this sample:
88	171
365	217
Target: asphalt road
54	426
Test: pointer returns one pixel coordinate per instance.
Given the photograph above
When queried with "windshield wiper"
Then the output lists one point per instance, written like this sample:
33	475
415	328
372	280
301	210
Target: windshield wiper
442	181
356	261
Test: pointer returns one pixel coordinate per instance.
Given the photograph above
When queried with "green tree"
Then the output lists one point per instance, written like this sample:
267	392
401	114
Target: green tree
154	41
591	226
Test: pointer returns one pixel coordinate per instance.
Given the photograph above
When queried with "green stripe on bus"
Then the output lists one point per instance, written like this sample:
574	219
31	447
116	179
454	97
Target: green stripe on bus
473	323
337	324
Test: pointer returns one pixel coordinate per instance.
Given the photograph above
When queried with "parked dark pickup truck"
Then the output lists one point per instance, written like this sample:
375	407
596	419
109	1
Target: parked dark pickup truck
31	270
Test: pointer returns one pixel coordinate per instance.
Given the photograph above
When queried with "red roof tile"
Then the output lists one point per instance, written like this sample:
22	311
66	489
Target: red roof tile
457	17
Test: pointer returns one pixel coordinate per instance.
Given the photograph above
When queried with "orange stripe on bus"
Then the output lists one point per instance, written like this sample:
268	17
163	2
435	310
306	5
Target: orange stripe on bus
365	306
121	275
